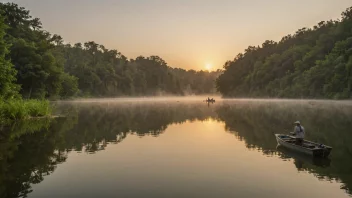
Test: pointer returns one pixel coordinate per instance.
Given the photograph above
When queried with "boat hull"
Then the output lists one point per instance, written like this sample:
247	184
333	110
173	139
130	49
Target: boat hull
316	151
286	153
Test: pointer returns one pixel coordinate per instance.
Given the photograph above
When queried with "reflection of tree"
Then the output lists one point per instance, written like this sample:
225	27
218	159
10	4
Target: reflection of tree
25	158
33	150
325	122
99	124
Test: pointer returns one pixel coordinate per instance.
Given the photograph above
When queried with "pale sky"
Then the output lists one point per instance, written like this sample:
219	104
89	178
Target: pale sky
186	33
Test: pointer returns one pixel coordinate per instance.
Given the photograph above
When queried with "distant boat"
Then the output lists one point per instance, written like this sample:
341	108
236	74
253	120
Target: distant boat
210	100
307	147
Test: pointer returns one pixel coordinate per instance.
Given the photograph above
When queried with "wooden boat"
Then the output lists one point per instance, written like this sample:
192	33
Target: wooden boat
308	147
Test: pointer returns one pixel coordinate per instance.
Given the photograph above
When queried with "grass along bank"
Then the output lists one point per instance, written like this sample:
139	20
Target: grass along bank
18	109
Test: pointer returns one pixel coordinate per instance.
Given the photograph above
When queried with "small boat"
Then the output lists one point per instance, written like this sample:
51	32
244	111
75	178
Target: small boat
210	101
307	147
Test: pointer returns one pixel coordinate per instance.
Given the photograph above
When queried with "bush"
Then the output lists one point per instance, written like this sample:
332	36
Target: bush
38	108
18	109
13	110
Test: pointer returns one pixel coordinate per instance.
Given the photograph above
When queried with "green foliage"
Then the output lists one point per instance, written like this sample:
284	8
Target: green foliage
13	109
8	89
39	72
48	68
312	63
38	108
18	109
103	72
69	86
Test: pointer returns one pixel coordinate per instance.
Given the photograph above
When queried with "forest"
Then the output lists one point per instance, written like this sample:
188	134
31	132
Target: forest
35	64
312	63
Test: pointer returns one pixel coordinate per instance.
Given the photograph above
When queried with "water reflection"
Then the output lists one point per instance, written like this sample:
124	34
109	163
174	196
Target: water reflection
300	160
326	122
29	151
100	124
25	158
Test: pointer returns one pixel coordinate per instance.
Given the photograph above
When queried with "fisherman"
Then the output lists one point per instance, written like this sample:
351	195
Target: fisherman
299	132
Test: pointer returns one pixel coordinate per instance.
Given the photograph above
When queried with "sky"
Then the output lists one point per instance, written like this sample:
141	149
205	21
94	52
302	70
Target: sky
191	34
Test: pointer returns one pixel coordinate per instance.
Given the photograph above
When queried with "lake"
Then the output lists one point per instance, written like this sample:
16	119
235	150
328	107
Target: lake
177	147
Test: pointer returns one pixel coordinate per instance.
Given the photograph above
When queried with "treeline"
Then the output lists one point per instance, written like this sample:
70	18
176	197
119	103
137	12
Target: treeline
313	63
38	64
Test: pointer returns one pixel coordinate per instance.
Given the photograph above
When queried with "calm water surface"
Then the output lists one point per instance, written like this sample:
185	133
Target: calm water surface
177	148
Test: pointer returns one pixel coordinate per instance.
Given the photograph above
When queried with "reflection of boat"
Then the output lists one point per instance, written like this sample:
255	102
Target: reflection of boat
317	161
308	147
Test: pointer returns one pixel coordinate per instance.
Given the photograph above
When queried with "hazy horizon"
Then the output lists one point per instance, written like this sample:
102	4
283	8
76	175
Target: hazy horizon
187	34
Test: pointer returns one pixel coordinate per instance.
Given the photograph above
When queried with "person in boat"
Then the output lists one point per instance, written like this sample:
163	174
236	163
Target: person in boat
299	132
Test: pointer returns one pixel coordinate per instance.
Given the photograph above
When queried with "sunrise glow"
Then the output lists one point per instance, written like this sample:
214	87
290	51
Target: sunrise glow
208	66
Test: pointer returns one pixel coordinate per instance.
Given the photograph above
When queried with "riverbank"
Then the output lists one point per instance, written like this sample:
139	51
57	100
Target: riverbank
18	109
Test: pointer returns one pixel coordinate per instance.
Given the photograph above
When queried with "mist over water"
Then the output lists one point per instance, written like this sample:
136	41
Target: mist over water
178	146
146	99
197	145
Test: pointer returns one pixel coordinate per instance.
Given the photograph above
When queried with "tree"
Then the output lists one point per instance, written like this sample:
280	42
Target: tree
48	68
38	71
8	88
312	63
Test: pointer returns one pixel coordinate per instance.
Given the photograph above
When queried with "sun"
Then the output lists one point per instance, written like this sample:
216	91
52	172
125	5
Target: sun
208	66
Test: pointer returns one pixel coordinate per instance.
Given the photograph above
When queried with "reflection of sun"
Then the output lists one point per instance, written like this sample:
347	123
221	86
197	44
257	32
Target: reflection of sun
208	66
209	122
210	128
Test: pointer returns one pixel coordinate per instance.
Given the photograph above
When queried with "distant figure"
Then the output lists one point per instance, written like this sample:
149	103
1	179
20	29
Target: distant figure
210	100
299	132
